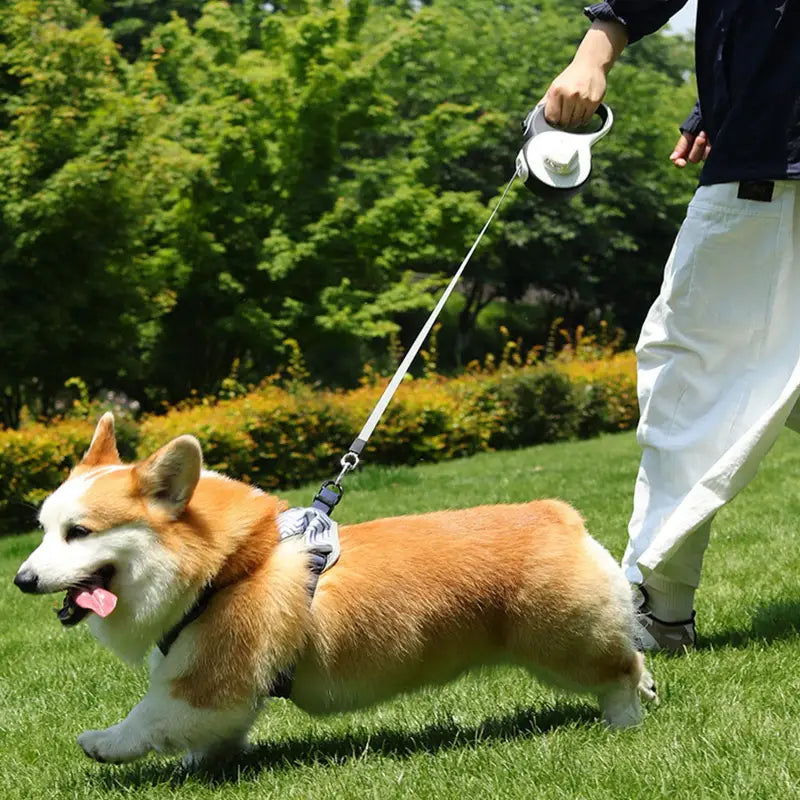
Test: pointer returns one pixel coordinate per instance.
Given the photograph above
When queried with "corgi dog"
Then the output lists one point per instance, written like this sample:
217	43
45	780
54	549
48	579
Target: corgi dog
412	601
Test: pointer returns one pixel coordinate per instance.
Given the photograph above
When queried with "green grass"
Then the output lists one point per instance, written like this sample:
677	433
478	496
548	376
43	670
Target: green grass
728	725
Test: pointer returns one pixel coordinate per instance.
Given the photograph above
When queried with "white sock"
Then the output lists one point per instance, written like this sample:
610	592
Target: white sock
670	602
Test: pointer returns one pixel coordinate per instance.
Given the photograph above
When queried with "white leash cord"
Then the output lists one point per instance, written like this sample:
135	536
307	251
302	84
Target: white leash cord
331	492
358	444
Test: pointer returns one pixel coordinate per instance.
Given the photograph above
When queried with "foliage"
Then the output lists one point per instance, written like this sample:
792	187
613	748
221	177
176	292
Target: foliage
241	174
131	21
280	436
33	462
539	407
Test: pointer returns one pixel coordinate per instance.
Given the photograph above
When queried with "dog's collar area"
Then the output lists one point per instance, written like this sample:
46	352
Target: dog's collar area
199	606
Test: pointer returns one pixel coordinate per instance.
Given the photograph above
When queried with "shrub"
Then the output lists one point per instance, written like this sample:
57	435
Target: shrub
33	462
276	437
541	406
606	393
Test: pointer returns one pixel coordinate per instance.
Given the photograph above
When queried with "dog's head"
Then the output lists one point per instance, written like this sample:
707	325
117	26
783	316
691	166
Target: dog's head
104	531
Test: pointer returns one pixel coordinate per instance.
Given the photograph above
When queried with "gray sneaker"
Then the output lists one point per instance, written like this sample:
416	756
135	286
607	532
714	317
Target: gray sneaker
653	634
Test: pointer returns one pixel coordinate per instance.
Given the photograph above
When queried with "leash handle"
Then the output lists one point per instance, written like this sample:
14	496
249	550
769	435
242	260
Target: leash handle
535	123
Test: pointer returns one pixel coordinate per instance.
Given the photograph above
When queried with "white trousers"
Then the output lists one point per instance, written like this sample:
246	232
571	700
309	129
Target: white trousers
718	372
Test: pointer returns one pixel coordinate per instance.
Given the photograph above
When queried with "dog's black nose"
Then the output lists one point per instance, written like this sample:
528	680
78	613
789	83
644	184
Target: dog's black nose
27	580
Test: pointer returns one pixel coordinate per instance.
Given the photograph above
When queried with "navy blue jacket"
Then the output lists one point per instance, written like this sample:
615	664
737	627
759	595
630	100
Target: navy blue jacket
747	55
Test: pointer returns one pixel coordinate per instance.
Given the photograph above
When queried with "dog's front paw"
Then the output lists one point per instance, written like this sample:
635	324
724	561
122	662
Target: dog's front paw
106	746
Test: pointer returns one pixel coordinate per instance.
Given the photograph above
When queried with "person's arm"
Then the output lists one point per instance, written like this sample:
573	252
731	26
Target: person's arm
575	94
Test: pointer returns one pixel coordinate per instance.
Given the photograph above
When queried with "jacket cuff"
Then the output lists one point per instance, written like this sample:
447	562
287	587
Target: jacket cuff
604	12
694	122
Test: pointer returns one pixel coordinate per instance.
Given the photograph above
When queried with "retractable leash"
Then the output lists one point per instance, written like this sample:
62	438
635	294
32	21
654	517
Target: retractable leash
331	491
552	162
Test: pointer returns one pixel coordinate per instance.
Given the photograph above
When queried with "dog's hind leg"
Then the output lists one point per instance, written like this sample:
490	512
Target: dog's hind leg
620	702
620	705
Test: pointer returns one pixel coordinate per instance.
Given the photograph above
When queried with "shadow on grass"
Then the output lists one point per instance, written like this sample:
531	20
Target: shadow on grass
335	750
771	623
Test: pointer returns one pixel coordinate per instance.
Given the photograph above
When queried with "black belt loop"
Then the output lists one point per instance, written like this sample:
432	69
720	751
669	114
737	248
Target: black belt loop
761	191
329	494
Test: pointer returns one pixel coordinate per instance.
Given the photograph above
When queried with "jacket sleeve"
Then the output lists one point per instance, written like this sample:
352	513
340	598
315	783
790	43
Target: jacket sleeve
640	17
694	122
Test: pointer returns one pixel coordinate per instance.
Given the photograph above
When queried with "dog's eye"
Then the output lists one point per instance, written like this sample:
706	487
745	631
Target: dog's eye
77	532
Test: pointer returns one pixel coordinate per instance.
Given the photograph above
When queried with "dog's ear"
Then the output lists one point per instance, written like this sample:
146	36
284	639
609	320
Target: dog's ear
168	477
103	448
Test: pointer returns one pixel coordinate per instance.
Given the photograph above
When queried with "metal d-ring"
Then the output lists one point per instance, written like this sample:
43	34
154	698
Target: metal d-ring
349	462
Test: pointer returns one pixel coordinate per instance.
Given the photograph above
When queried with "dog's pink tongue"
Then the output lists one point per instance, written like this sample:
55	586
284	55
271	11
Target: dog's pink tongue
99	600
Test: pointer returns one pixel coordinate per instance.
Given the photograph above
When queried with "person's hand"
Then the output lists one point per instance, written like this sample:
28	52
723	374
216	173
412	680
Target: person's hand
575	94
690	148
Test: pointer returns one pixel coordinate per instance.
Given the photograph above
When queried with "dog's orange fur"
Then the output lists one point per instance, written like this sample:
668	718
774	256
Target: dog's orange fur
412	600
438	591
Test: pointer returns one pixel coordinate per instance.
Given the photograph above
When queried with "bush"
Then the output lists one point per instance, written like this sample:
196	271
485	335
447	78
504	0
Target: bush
605	390
280	437
540	406
33	462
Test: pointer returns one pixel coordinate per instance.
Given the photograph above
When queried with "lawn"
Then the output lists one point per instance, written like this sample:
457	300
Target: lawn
728	725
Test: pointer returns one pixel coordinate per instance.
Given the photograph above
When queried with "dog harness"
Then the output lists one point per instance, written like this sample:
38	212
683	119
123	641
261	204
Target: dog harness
320	536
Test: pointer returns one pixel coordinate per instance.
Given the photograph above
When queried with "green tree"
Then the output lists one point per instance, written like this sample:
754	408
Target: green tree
76	290
131	21
245	173
461	76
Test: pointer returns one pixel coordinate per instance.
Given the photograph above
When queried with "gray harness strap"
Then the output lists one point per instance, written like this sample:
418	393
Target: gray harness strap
321	537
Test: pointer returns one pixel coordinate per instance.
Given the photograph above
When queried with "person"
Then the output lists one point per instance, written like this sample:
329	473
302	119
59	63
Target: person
719	351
